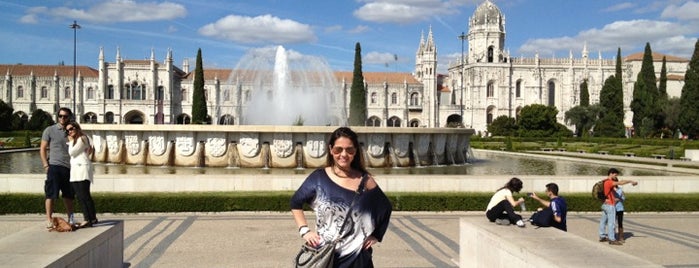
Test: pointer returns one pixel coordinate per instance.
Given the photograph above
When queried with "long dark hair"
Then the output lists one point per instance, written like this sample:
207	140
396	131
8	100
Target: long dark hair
515	185
77	129
358	160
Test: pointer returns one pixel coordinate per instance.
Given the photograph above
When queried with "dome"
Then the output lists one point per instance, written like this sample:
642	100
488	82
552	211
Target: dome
487	13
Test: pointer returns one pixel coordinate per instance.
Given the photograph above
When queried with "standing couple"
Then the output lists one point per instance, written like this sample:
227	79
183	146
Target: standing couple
65	154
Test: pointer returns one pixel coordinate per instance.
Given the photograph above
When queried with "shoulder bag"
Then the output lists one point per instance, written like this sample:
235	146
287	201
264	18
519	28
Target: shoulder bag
324	256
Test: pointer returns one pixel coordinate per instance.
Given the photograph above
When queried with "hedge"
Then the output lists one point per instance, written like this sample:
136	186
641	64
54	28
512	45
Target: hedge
279	201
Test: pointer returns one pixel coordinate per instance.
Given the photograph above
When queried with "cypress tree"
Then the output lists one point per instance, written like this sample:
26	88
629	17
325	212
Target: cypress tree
689	110
584	94
618	73
358	109
199	111
662	100
645	92
611	120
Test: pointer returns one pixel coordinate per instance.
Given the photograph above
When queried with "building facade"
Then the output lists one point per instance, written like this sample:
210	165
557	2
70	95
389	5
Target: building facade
486	82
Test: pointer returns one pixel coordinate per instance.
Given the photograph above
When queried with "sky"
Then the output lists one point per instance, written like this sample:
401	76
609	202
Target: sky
389	31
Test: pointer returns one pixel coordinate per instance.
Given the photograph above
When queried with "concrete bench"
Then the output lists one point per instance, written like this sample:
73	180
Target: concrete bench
685	159
561	149
658	156
485	244
547	149
603	152
99	246
582	151
629	154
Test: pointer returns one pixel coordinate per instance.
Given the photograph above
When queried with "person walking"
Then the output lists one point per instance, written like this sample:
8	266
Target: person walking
330	191
500	209
557	206
81	171
608	220
56	161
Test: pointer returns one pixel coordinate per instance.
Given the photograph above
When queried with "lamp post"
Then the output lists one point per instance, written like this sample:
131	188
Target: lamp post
461	78
75	28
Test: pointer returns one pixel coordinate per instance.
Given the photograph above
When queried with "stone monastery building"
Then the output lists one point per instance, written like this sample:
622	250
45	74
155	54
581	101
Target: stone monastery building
486	83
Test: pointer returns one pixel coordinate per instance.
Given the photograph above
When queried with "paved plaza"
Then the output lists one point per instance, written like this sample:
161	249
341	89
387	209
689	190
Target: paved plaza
414	239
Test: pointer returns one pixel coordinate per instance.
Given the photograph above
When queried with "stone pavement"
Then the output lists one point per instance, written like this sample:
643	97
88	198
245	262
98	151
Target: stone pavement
414	239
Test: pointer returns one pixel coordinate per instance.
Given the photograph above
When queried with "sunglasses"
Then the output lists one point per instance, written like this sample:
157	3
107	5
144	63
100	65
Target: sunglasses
63	116
70	129
338	150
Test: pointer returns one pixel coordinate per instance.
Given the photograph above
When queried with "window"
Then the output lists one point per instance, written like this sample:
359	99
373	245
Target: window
518	89
110	92
491	89
394	98
20	92
414	99
490	54
373	121
393	122
90	93
226	95
552	93
373	98
185	94
44	93
66	93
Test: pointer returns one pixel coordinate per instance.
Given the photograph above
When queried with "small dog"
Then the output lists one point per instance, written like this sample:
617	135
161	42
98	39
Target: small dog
61	225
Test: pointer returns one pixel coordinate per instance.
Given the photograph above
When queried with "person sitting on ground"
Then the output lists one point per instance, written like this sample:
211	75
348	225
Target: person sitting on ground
556	206
500	209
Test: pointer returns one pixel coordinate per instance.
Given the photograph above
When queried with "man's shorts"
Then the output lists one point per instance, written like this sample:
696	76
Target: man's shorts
58	179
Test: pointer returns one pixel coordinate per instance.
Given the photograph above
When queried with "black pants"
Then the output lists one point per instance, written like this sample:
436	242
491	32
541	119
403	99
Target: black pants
82	191
503	210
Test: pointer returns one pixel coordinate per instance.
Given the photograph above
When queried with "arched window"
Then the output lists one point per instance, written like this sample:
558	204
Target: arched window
394	98
185	94
373	121
490	53
552	94
414	99
490	91
44	93
373	97
490	115
90	93
393	122
66	93
518	89
20	92
109	118
414	123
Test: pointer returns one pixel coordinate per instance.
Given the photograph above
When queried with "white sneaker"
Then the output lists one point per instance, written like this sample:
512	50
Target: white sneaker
520	223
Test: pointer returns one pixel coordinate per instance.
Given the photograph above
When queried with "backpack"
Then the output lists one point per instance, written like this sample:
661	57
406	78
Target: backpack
598	191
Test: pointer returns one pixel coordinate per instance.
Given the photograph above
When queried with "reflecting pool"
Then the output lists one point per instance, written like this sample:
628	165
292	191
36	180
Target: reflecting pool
487	163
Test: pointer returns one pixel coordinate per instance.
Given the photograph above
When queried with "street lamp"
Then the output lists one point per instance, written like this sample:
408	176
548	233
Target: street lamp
461	73
75	28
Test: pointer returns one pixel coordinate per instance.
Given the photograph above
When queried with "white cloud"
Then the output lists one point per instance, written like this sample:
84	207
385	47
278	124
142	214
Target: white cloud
333	28
260	29
620	6
629	35
359	29
114	11
404	12
688	11
379	58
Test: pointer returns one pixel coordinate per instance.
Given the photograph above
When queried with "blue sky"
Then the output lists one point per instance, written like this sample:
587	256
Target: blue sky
38	32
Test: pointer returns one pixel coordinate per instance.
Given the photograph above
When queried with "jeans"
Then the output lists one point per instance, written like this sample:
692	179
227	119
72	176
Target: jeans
608	221
503	210
82	190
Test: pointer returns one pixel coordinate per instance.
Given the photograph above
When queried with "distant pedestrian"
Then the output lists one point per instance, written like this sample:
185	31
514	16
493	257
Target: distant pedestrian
500	209
54	156
608	220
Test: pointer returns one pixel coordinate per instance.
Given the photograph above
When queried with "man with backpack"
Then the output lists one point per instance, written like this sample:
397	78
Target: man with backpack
608	207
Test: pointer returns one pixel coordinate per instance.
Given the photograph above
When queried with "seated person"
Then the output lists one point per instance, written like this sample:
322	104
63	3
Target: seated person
556	204
500	209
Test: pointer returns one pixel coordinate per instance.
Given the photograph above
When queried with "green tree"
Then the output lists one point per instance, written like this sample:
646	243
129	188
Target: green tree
662	100
358	109
611	118
584	94
583	118
645	92
5	116
688	120
672	115
503	126
538	120
39	120
199	110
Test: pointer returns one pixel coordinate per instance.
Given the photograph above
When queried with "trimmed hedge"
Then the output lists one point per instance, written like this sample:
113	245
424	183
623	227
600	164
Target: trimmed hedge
279	201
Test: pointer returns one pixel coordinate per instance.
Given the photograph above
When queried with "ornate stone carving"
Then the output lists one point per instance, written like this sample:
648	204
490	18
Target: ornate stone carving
282	145
315	145
133	144
112	143
185	143
249	144
376	143
216	146
401	144
156	144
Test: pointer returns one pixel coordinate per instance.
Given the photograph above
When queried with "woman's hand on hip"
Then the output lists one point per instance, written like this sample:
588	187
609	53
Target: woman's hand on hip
370	241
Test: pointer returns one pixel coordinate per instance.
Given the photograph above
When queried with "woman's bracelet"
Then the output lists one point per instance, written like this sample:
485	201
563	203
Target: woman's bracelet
304	230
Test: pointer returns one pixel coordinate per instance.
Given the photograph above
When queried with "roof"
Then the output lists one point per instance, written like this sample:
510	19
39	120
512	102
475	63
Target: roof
211	74
657	57
675	77
46	70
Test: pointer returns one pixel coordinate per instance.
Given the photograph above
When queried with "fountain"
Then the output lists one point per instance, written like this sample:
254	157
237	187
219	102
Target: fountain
292	102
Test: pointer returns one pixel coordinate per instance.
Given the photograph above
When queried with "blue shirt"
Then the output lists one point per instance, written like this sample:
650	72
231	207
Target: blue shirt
560	209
